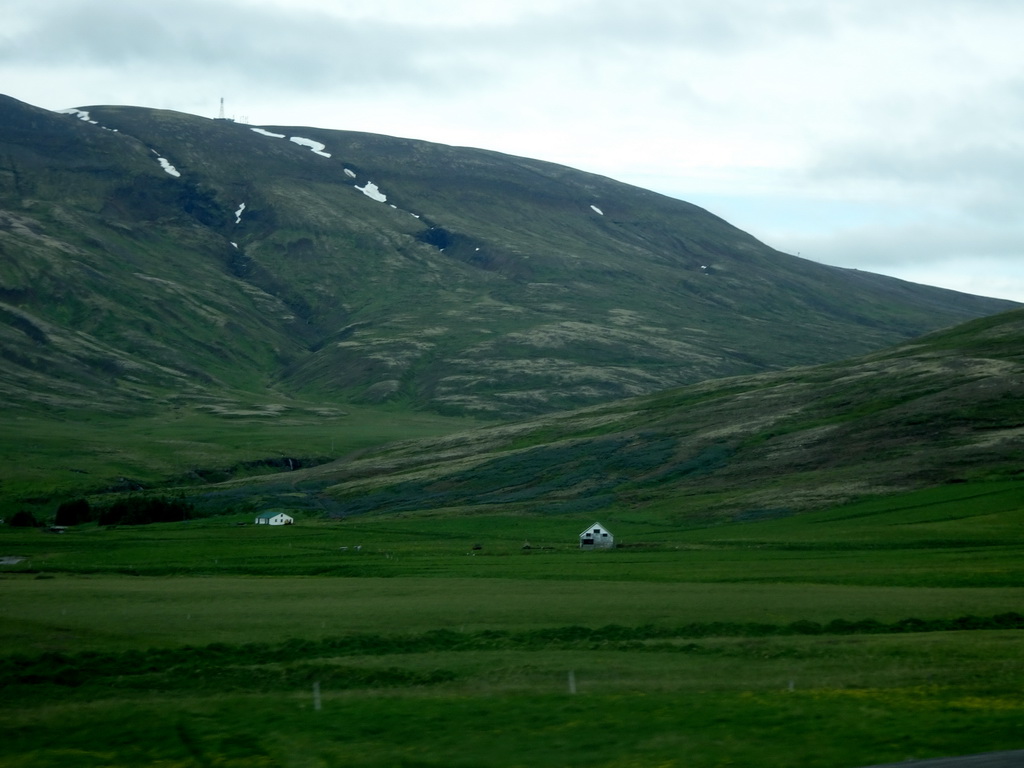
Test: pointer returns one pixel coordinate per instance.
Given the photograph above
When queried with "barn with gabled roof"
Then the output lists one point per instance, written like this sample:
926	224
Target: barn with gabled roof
596	536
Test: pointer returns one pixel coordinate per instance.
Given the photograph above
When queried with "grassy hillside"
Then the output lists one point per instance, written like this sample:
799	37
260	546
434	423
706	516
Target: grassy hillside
483	284
945	409
186	444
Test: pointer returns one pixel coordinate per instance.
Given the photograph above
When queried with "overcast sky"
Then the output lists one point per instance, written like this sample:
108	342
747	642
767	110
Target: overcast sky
885	135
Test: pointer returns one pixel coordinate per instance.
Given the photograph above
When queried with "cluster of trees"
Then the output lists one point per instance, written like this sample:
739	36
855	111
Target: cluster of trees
140	510
73	512
132	510
24	519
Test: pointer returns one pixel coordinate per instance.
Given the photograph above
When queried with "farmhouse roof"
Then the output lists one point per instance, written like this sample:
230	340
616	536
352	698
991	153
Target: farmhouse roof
590	528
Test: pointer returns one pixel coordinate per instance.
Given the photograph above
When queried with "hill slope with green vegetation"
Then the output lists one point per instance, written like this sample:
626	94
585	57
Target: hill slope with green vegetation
152	259
947	408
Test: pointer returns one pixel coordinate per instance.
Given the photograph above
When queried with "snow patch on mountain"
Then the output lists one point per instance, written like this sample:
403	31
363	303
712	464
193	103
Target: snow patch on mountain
371	191
597	210
238	213
81	114
350	173
264	132
166	165
314	146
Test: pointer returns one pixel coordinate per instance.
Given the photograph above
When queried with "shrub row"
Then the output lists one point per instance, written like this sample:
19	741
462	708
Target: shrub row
229	660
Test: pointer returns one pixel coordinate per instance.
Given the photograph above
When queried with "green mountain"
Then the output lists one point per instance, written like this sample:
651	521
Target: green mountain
152	260
944	409
185	301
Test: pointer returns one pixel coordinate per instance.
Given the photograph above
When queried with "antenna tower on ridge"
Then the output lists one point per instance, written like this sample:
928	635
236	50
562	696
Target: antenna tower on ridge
221	116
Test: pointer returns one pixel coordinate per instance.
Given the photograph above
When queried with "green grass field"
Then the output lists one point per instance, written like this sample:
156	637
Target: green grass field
869	633
48	458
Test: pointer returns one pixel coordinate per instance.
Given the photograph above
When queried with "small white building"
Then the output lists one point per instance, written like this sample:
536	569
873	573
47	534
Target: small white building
596	537
274	518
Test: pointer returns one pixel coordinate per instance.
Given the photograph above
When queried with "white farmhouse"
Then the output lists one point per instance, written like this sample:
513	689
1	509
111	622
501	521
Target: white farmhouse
274	518
596	537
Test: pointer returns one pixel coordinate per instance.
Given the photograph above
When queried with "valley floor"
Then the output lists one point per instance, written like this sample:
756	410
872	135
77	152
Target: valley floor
210	643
